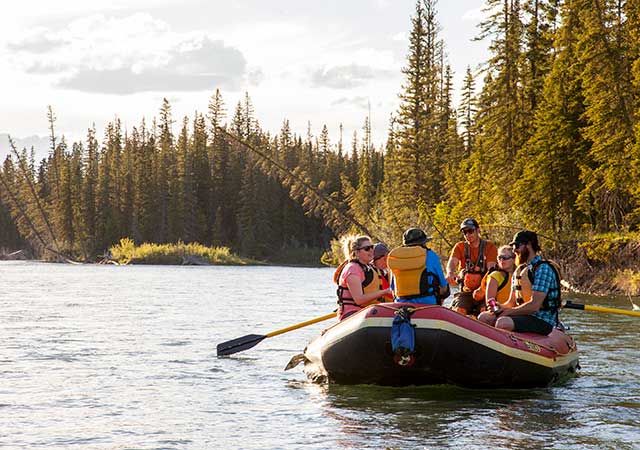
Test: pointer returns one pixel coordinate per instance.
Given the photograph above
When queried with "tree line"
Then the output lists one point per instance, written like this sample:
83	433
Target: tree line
204	184
550	142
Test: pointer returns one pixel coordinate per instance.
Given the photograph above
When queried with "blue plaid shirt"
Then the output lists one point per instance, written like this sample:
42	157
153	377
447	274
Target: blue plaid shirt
545	281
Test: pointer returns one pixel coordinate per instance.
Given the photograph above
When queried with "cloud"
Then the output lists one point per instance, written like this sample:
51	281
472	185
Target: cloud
136	53
359	101
346	77
39	42
46	67
255	77
203	67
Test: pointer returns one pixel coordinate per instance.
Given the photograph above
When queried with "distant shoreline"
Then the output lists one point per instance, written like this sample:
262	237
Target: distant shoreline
601	265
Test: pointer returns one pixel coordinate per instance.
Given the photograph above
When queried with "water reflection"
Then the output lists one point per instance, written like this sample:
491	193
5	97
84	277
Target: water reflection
439	416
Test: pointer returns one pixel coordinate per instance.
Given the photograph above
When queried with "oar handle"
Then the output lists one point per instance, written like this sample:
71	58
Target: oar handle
302	324
571	305
624	312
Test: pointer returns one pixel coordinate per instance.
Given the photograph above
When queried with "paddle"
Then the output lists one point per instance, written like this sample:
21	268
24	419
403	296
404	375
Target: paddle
251	340
625	312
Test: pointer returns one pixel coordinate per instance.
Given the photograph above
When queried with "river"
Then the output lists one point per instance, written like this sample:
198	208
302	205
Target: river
124	357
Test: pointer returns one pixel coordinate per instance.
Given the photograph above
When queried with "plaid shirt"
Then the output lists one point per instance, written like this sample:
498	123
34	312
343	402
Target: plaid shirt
545	281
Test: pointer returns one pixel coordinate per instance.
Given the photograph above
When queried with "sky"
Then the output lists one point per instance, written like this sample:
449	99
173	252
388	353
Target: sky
326	62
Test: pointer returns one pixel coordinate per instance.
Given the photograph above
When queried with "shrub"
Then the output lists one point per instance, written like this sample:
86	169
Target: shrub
126	252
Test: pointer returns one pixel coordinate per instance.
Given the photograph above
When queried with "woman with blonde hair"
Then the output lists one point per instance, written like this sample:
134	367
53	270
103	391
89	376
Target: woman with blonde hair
498	285
358	283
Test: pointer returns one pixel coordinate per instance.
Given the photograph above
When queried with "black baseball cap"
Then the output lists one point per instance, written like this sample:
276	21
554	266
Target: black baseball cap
525	237
469	222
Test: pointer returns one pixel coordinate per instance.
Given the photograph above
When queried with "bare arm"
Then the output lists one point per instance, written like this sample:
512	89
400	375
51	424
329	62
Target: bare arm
452	266
527	308
492	289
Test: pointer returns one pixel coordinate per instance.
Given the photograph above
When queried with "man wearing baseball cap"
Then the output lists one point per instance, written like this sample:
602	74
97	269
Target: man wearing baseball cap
539	314
470	259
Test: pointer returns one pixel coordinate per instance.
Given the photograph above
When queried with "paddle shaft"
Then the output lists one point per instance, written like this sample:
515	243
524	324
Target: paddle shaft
301	324
603	309
251	340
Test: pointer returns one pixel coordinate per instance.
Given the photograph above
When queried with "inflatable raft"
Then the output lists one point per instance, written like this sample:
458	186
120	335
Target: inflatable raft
449	348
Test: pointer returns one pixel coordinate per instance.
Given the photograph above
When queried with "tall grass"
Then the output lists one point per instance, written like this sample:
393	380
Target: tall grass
127	252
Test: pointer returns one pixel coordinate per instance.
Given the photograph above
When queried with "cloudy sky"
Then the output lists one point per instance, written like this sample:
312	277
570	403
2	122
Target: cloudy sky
323	62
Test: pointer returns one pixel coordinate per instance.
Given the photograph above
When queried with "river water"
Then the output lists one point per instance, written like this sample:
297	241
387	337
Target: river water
124	357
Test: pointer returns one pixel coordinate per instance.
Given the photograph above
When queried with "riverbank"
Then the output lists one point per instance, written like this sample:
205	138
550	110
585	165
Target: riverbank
605	264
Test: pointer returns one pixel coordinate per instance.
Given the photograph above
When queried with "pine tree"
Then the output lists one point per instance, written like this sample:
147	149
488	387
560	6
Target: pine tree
201	188
216	114
127	174
146	214
632	38
183	224
218	156
468	109
414	174
538	44
552	158
503	120
610	100
89	188
163	171
363	200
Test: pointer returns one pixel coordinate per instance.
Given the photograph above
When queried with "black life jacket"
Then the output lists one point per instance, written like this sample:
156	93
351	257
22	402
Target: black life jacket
470	266
552	300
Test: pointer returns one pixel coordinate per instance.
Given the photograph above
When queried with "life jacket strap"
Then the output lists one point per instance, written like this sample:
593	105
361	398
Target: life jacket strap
470	266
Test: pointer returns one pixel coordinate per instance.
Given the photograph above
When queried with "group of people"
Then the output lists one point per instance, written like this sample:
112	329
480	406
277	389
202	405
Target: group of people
511	287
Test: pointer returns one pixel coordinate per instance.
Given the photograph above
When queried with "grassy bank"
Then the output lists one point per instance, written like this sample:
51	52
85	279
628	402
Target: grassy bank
127	252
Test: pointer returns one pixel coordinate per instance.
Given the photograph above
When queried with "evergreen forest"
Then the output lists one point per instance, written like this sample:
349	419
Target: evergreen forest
550	141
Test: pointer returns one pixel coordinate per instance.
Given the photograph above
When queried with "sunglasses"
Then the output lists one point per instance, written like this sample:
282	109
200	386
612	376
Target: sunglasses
366	248
468	231
504	258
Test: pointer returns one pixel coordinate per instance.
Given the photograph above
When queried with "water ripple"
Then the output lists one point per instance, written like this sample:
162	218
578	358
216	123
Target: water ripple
124	357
